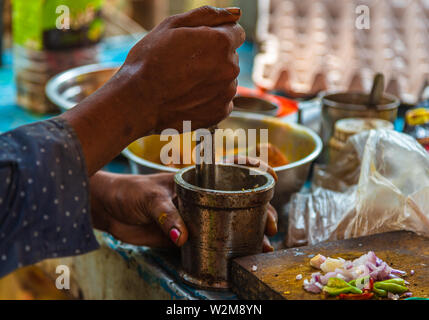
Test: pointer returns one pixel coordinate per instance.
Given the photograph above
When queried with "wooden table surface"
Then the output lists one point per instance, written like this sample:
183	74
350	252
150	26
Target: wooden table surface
275	277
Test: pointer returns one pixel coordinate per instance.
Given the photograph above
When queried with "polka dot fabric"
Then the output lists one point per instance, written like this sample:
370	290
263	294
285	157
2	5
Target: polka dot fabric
44	195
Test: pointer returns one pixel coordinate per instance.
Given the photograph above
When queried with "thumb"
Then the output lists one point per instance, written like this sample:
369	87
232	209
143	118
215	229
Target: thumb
207	16
166	215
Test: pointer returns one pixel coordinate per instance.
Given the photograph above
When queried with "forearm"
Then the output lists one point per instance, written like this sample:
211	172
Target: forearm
100	189
108	121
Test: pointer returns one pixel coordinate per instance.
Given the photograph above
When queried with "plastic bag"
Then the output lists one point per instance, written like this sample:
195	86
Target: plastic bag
380	183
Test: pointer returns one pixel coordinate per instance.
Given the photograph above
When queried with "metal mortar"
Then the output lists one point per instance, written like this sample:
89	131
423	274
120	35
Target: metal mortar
223	224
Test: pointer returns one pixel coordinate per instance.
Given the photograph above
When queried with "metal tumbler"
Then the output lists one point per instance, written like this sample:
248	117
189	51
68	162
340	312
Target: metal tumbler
224	223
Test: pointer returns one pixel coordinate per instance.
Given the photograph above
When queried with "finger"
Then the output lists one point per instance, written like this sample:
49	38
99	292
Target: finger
206	114
145	235
271	225
234	33
169	220
206	16
266	245
211	92
252	162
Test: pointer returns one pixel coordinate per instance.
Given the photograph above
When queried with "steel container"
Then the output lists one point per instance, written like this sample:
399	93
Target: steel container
244	103
300	144
338	106
224	223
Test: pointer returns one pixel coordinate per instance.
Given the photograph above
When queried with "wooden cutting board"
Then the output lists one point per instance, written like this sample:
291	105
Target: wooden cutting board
275	277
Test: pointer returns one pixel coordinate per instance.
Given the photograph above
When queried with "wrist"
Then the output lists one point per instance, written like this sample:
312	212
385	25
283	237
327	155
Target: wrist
109	120
100	189
132	103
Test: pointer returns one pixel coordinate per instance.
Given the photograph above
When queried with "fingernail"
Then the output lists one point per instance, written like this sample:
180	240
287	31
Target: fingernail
174	235
234	10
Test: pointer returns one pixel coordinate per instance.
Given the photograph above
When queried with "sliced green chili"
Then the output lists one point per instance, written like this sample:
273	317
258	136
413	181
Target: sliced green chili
390	287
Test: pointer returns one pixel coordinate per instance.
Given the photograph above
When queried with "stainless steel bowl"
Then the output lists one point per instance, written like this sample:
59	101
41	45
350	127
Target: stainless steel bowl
244	103
300	144
72	86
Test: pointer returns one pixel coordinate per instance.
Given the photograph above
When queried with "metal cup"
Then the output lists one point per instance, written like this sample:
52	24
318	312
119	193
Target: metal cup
354	105
255	104
223	224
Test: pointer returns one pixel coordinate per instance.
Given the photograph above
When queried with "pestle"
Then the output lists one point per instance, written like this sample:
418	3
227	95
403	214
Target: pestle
206	172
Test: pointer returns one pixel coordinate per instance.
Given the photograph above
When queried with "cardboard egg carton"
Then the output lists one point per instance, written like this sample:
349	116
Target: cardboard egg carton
312	45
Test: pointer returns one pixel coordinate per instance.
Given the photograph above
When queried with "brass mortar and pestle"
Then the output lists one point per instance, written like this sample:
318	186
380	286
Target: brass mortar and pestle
224	207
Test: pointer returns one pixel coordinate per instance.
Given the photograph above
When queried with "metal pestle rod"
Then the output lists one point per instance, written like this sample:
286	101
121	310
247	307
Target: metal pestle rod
206	172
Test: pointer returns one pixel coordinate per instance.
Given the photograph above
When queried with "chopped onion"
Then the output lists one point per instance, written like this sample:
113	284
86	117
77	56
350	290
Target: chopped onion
311	286
366	266
392	296
398	272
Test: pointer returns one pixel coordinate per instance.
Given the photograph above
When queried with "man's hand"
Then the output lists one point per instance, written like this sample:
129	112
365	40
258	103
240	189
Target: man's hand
139	209
184	69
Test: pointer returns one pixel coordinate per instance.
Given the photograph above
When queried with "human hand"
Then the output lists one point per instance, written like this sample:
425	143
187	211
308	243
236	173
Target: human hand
139	209
185	69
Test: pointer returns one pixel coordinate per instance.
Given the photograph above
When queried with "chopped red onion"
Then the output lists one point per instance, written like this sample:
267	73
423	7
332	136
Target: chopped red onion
398	272
366	265
392	296
312	286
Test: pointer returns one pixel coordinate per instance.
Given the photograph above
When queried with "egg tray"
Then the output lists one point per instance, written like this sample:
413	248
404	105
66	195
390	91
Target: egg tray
308	46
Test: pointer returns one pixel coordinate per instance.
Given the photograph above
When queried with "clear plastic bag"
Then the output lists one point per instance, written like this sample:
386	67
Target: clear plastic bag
379	183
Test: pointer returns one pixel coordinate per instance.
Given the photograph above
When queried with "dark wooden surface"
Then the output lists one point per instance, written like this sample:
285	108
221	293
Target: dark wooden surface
275	277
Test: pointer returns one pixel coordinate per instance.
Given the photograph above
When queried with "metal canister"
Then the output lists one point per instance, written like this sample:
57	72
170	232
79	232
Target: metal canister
354	105
224	223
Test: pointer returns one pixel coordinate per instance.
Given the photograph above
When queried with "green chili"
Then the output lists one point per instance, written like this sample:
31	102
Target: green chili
336	291
380	292
399	281
336	286
390	287
337	283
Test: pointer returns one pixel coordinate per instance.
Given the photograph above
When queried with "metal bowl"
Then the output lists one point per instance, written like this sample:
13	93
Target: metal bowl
72	86
300	144
243	103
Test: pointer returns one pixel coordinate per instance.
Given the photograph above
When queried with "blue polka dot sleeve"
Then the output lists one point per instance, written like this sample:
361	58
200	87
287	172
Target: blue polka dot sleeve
44	195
